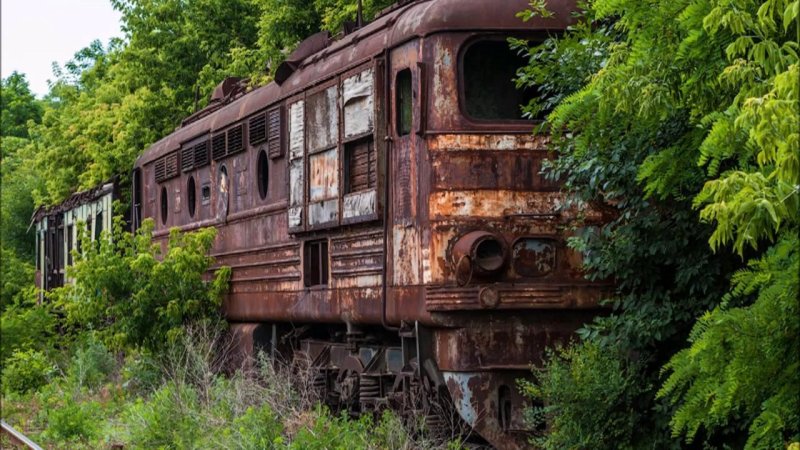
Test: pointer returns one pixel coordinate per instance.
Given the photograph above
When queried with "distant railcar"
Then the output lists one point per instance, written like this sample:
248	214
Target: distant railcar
382	208
57	229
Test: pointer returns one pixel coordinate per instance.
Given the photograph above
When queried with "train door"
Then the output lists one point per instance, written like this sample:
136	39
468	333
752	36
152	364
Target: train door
406	129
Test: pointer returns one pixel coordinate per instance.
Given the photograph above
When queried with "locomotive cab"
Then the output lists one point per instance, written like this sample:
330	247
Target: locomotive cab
382	208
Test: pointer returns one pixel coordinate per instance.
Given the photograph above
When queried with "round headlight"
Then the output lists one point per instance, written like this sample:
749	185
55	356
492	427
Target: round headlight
483	251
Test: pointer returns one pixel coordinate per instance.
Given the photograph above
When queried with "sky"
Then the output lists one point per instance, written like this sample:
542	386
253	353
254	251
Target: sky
36	33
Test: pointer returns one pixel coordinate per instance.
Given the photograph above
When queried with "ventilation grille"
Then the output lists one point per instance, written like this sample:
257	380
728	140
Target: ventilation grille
274	144
172	165
218	146
166	167
258	129
201	154
160	173
235	139
187	158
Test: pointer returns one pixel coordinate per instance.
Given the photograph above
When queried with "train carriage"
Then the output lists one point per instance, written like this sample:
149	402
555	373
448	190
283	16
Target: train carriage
383	212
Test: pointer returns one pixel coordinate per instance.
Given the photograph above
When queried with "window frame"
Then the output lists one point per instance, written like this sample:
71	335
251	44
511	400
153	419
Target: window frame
464	47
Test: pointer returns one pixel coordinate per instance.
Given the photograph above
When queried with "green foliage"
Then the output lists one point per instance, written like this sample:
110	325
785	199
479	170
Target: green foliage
136	296
258	428
73	422
668	107
91	364
26	370
334	432
575	378
740	362
26	326
17	106
169	419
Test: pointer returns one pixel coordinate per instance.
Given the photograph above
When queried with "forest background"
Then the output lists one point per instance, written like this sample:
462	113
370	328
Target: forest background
679	117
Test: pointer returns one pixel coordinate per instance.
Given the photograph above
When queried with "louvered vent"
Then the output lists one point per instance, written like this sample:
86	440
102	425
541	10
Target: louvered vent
201	154
258	129
218	146
160	171
187	158
235	139
274	132
171	165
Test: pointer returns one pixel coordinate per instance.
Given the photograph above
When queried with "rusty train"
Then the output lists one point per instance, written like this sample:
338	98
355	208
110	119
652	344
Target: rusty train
382	208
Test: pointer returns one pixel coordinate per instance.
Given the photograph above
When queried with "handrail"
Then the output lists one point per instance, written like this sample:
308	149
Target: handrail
16	437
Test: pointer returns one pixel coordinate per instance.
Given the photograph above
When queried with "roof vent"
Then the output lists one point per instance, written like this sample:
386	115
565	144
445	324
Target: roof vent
308	47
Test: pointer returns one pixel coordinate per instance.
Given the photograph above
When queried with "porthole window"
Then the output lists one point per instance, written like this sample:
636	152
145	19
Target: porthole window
164	206
263	174
191	195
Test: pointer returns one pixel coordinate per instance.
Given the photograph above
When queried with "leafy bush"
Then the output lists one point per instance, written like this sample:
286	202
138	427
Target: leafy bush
258	428
73	421
134	295
26	370
91	364
171	418
26	325
570	386
722	374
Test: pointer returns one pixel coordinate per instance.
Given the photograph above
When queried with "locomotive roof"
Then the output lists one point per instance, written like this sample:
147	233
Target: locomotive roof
416	19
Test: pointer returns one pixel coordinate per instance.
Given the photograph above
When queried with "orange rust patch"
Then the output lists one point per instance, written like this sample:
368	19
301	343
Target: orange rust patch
459	142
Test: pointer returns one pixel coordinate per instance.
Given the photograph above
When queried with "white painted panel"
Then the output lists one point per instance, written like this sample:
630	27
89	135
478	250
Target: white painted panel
323	212
296	182
296	129
322	115
295	216
358	108
359	204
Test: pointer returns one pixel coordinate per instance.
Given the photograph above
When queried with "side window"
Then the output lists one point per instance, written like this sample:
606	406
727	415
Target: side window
164	205
488	71
403	102
191	196
315	263
263	174
205	193
322	118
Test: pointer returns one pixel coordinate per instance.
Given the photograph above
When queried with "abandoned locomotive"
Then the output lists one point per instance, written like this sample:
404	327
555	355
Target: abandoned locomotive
382	209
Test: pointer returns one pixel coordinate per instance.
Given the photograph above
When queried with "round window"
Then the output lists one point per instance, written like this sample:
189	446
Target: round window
164	206
191	194
263	174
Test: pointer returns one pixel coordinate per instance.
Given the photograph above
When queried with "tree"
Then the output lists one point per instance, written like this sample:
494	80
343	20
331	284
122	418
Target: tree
660	108
17	106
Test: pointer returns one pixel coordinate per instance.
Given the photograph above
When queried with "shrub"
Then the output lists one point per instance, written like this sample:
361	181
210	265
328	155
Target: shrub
171	418
588	392
73	421
26	325
91	364
26	370
135	296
